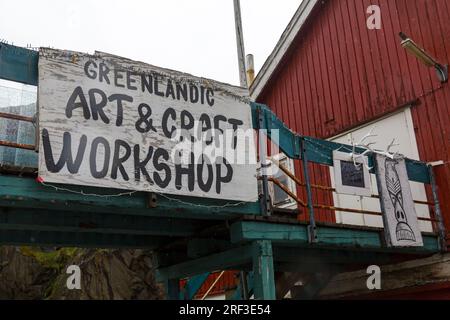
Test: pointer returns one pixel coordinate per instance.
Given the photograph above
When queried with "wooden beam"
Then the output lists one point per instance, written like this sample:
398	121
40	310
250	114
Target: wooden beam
327	236
87	240
18	64
193	284
320	151
90	222
197	248
22	192
400	277
229	259
317	257
263	271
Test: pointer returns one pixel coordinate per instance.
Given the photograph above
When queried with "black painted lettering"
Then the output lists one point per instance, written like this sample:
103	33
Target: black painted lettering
210	97
91	73
117	76
182	91
97	106
189	171
193	91
72	104
118	160
120	98
147	83
140	166
161	166
103	73
205	186
187	123
169	113
220	177
66	157
93	157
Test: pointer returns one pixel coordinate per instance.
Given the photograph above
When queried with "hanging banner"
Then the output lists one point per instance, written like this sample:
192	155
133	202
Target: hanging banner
399	214
107	121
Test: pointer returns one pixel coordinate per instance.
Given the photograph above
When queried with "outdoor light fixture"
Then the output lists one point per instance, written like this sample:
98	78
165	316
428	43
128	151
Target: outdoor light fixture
418	52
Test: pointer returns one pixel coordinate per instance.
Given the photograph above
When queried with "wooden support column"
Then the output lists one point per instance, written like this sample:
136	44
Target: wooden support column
172	287
263	272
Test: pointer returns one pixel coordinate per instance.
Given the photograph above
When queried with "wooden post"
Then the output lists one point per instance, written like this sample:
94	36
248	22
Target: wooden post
172	287
263	280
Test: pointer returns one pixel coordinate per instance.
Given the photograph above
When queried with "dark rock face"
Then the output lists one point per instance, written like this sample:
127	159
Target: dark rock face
36	273
22	276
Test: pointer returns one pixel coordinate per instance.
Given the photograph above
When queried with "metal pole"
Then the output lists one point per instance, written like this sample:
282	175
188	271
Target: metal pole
244	285
437	210
265	200
250	68
312	221
240	43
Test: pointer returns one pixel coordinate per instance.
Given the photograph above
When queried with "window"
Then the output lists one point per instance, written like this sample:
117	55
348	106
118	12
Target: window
350	178
279	197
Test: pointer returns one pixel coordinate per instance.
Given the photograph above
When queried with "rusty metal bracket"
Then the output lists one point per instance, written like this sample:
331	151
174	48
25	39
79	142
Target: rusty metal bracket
152	200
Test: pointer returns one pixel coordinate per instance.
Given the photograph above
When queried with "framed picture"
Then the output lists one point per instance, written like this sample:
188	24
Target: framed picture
351	179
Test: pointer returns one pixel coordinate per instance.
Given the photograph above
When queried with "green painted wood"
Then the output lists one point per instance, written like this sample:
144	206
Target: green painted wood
263	271
312	257
22	192
18	64
248	231
92	222
200	247
193	284
82	240
172	288
337	236
220	261
288	141
237	294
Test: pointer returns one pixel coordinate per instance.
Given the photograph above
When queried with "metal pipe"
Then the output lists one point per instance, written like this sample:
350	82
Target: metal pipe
16	117
312	221
240	43
289	192
244	285
265	201
212	285
325	188
437	210
329	207
16	145
250	65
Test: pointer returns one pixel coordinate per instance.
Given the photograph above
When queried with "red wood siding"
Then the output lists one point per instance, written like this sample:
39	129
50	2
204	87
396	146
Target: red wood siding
338	75
227	282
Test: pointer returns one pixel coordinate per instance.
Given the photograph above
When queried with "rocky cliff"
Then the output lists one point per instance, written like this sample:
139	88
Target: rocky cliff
40	273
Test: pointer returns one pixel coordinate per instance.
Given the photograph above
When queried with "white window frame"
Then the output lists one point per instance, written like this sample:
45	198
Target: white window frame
289	203
344	189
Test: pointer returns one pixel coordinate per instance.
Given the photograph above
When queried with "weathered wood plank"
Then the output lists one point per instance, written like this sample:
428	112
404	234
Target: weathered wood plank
405	275
22	192
111	122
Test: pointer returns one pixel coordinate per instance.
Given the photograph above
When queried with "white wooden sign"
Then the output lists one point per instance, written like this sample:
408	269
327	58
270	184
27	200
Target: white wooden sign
107	121
399	213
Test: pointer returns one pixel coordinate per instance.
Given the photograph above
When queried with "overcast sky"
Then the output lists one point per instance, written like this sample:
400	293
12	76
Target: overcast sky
196	36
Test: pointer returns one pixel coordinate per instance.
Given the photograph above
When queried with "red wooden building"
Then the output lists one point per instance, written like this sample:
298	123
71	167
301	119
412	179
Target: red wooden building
330	75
